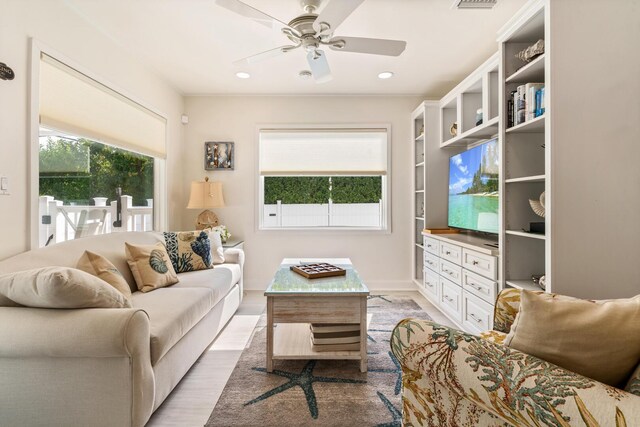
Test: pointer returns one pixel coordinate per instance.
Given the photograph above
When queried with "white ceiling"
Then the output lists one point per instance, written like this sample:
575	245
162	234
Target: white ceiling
192	44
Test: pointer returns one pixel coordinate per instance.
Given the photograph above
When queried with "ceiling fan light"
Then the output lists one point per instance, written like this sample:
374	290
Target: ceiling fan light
242	75
385	75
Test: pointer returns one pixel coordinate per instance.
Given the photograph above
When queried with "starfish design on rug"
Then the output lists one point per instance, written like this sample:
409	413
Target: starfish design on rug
395	413
304	380
397	370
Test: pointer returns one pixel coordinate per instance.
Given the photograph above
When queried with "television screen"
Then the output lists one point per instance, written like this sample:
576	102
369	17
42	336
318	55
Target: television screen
473	188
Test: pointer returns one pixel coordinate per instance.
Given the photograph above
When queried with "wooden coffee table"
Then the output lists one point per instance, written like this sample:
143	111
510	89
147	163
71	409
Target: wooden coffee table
293	302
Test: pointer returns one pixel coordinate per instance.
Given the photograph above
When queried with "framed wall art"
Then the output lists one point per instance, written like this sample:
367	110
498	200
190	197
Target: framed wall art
219	156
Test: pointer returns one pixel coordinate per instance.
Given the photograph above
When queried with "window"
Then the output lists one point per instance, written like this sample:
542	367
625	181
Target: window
99	159
323	179
80	183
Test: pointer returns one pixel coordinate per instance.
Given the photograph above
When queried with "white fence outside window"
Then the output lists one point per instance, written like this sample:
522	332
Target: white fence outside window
322	215
59	223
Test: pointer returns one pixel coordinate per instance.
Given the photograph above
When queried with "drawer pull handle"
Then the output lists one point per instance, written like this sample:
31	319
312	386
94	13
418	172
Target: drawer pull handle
447	298
473	316
476	287
448	252
475	263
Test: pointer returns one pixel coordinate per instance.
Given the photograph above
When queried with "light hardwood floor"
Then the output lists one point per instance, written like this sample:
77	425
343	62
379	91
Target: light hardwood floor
193	400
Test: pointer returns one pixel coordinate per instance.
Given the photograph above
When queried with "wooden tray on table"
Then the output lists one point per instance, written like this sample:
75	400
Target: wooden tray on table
317	270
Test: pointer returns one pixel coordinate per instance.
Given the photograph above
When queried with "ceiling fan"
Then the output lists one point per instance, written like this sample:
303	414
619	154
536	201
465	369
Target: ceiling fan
311	31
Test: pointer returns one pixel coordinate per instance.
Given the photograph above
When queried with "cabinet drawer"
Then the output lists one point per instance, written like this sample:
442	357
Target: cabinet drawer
479	286
485	265
432	262
477	315
451	271
431	284
450	299
432	245
451	253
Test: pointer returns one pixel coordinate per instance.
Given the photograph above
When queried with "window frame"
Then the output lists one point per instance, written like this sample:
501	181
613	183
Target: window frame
386	181
37	48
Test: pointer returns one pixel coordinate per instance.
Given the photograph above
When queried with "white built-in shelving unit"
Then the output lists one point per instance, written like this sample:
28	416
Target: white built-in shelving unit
525	150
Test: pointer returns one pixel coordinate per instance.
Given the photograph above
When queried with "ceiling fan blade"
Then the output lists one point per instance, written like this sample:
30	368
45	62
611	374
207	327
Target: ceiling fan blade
319	66
252	13
264	55
335	12
365	45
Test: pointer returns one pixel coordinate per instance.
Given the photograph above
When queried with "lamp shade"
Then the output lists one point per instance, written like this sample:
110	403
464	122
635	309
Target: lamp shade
205	195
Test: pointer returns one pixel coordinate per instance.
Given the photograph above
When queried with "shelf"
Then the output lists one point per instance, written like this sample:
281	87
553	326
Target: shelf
525	234
419	164
533	72
419	245
419	218
523	284
532	126
420	138
534	178
419	191
292	341
484	131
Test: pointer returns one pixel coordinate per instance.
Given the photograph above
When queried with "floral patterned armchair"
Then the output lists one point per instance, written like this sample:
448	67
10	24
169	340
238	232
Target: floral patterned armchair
451	378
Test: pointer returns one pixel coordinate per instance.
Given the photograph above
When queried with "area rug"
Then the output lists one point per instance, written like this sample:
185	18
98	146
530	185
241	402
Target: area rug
323	392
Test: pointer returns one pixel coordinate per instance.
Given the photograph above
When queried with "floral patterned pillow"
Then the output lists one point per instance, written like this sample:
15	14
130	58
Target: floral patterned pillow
189	250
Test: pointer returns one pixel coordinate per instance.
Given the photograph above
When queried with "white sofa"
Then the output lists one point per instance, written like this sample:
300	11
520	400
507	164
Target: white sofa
108	367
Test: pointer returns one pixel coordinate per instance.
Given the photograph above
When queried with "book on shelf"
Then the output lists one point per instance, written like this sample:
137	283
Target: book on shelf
335	347
525	103
347	339
334	327
530	99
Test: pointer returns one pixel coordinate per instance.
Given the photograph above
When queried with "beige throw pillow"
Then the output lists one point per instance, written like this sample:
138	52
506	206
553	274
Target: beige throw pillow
59	287
597	339
99	266
151	266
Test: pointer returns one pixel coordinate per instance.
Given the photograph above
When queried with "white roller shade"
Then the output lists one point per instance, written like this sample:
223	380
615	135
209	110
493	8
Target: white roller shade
74	103
323	152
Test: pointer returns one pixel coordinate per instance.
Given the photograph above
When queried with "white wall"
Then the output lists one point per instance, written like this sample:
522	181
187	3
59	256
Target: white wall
55	24
383	260
595	132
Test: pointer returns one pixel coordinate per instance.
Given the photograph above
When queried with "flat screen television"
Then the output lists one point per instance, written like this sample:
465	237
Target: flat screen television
473	188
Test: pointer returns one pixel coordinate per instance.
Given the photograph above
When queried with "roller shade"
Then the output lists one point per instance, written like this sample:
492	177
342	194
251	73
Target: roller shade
323	152
74	103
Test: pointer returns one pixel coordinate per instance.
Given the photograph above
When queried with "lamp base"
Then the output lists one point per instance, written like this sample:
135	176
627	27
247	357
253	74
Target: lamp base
206	219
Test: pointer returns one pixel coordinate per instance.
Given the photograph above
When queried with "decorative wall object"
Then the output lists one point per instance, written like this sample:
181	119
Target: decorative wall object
453	130
538	205
219	156
533	51
6	73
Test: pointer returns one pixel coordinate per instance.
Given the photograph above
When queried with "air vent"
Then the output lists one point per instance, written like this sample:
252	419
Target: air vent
474	4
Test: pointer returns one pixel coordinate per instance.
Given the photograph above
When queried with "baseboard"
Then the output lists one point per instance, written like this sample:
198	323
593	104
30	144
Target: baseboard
373	285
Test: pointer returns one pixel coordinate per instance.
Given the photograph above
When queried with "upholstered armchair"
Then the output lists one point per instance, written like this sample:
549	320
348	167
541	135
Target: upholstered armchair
451	378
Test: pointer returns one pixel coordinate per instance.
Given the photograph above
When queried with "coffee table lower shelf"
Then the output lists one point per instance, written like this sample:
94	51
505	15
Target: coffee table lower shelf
293	341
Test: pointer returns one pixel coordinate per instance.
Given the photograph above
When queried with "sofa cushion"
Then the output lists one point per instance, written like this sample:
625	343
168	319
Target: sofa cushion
99	266
150	266
218	280
59	287
66	254
217	251
189	250
597	339
172	313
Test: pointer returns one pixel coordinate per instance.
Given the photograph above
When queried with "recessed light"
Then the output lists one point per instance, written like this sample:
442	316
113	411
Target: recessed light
385	75
243	75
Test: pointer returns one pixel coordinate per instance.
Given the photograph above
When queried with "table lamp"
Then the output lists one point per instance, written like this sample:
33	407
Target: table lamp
205	195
